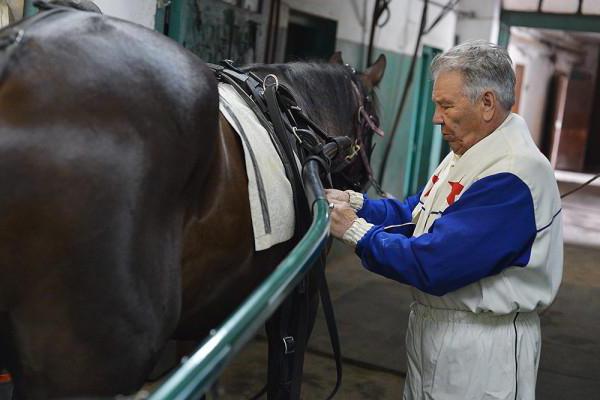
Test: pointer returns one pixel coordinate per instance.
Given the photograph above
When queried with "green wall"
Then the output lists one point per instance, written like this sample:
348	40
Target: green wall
389	93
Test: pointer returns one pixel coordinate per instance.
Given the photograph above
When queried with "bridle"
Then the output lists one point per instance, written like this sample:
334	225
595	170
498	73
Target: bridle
367	125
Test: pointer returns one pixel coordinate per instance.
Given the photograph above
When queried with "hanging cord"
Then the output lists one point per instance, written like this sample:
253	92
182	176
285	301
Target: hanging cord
445	10
386	153
570	192
381	6
449	6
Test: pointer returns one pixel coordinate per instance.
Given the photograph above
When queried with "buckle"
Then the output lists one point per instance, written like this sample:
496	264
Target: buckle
275	82
295	131
289	345
355	151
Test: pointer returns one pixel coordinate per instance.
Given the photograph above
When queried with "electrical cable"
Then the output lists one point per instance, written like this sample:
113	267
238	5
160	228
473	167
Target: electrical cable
379	8
408	82
445	10
449	6
570	192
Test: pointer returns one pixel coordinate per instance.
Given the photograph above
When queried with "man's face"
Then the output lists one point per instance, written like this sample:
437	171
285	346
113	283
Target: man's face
461	121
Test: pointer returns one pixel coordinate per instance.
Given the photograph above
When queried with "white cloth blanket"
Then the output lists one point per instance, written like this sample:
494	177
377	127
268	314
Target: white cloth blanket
270	192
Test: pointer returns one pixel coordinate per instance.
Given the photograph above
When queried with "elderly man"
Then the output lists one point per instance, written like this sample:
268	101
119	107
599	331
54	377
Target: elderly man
480	245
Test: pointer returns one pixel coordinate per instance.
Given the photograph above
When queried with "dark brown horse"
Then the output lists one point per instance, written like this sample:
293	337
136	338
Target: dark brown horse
115	171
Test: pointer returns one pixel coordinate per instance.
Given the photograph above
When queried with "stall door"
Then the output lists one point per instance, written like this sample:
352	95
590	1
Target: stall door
572	123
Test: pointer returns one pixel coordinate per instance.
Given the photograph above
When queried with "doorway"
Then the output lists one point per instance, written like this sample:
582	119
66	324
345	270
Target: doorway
559	95
309	37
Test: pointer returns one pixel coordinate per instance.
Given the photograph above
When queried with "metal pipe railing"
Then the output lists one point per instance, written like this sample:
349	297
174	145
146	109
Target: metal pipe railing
201	370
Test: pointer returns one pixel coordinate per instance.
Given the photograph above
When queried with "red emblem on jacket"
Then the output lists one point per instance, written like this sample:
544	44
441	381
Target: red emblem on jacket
434	179
455	189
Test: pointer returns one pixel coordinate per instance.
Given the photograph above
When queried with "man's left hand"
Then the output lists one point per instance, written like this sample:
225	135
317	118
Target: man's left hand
342	217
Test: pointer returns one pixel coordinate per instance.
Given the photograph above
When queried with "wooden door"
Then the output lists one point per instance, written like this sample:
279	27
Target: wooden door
519	74
572	123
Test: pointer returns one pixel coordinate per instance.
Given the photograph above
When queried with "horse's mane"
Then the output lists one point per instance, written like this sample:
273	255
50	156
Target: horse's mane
324	91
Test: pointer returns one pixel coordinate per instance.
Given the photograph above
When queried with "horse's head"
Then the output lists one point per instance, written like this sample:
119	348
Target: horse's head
357	173
342	102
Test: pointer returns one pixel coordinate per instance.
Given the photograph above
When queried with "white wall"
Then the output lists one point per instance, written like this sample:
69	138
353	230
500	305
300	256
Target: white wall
479	20
16	7
398	35
139	11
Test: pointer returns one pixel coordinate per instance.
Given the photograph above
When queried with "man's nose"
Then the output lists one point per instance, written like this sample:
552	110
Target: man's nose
437	117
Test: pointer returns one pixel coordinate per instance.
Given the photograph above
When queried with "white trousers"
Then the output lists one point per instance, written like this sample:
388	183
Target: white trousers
459	355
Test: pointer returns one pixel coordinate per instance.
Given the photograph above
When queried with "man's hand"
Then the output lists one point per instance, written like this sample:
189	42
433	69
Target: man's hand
334	195
342	215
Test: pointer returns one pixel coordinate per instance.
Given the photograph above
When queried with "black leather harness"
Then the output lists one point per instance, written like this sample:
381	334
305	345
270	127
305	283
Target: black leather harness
295	135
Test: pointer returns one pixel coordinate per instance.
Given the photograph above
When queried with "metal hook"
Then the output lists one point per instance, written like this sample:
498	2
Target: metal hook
275	82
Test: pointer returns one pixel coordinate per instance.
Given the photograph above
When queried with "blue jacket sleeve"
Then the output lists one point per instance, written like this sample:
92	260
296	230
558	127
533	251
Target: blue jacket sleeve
489	228
388	211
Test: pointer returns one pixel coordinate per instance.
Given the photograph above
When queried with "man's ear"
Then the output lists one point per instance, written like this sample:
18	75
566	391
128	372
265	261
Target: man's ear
336	58
373	75
489	104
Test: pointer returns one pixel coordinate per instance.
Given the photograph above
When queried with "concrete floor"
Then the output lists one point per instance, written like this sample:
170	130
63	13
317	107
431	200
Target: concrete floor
372	316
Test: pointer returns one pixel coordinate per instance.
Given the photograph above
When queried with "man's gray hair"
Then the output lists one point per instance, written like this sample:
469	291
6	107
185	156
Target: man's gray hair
484	66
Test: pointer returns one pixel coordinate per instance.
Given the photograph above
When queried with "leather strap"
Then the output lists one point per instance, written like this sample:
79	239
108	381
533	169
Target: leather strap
331	324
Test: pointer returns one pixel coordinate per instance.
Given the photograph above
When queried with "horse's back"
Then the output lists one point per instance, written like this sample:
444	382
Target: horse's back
105	127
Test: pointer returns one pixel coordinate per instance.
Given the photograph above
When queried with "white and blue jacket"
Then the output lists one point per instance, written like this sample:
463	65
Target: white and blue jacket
487	234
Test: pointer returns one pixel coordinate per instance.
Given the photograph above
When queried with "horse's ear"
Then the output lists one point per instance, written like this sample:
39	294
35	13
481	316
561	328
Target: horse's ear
373	75
336	58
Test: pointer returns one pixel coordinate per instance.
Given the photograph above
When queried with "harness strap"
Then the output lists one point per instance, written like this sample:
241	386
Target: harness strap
331	325
263	120
288	147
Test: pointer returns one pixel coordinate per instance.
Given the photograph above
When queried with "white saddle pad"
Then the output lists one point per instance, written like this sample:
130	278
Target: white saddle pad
271	202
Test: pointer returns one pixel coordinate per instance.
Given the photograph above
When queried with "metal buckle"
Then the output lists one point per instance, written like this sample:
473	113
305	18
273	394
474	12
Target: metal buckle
19	37
275	82
289	345
355	150
295	131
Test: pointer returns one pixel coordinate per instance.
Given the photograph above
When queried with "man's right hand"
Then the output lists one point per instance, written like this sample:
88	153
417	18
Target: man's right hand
334	195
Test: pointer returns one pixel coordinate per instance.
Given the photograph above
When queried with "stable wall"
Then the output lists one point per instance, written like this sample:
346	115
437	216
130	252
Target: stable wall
478	20
139	11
